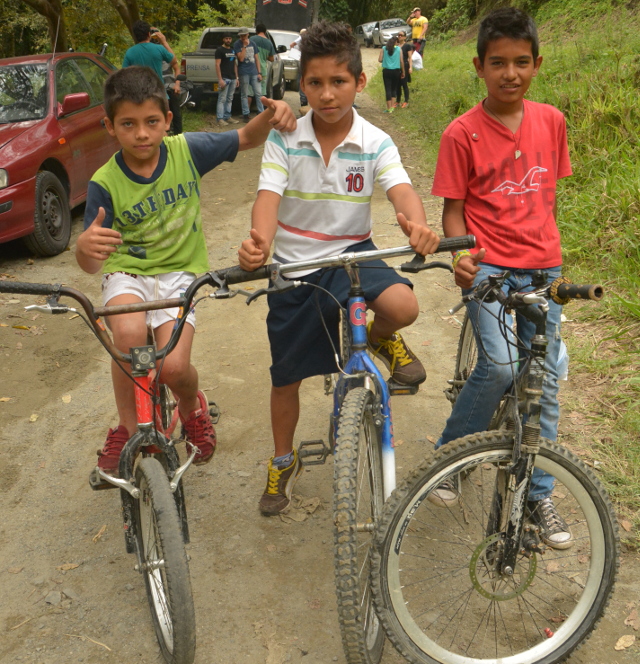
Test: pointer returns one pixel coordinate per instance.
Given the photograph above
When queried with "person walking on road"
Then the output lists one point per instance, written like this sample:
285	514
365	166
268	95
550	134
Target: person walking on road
227	71
148	53
248	72
406	48
266	53
392	71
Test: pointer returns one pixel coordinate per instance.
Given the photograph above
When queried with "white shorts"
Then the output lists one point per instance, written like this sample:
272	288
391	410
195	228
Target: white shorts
148	288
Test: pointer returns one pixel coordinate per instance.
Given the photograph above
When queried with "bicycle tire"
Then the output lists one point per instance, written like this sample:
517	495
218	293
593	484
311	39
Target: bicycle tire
159	538
357	503
466	358
448	605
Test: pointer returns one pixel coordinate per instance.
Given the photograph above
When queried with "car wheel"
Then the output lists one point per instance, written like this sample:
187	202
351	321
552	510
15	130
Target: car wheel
294	84
52	217
278	90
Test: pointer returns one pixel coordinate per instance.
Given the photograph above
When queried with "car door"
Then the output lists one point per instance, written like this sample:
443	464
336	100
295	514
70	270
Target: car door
375	34
81	130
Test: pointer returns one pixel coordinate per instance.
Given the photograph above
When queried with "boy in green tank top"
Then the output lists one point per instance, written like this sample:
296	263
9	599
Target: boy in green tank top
143	230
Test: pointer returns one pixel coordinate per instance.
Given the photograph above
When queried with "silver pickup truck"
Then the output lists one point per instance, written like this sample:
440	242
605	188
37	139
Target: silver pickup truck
200	66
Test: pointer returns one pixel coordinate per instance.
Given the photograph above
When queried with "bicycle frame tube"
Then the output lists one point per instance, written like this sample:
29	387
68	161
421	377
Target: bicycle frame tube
360	363
144	408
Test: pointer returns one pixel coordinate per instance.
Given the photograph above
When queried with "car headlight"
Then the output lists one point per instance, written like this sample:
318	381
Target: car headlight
4	178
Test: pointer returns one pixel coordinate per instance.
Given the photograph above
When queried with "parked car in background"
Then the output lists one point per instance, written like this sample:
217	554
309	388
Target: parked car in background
291	64
363	34
52	140
200	66
384	30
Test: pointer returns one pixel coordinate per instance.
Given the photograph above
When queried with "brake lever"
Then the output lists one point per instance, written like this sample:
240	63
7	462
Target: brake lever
51	307
417	264
277	285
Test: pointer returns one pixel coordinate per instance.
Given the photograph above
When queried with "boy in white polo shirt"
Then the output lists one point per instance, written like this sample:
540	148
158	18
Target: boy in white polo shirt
314	201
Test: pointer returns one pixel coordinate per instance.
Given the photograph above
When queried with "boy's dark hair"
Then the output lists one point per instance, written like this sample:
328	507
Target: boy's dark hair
140	31
261	27
135	84
324	39
507	22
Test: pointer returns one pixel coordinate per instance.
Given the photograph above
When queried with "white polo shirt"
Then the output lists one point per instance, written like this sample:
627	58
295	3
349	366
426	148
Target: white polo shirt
326	208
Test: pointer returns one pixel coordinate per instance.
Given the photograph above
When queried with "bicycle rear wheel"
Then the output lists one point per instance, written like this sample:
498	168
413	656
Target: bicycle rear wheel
466	359
438	590
357	503
164	564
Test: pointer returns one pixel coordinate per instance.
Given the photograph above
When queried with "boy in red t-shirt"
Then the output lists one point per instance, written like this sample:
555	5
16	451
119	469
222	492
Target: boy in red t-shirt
497	170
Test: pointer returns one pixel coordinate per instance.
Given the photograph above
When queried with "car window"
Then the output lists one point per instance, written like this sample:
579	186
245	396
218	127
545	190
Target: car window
283	38
69	80
392	23
23	93
95	77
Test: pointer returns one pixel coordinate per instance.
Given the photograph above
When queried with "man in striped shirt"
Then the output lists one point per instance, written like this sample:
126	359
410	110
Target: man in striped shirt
314	200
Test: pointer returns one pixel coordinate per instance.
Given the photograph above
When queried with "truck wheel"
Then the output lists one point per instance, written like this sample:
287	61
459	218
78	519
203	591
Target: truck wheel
278	90
294	85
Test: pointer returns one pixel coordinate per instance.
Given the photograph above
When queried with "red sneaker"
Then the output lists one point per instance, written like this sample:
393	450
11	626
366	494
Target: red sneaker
198	430
109	456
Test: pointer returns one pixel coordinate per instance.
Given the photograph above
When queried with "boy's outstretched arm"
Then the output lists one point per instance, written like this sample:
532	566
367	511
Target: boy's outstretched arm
277	115
254	251
96	244
453	225
412	219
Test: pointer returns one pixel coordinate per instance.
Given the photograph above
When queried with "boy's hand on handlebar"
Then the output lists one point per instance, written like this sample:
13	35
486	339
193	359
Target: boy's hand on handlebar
423	240
97	242
283	118
467	268
253	252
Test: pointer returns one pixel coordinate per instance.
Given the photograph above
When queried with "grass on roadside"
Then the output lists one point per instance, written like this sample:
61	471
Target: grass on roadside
592	74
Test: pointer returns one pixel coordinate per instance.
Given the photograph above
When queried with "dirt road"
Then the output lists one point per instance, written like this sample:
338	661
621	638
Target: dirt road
263	588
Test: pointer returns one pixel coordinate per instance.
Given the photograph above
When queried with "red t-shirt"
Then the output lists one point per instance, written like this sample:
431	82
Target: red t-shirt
508	202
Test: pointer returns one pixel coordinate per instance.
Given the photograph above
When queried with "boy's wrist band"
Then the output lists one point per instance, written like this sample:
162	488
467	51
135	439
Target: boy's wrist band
458	255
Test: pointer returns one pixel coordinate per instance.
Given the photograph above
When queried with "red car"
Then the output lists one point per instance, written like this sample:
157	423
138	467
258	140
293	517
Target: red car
52	140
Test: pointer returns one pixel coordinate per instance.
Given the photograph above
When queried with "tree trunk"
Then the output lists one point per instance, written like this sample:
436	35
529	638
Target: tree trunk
53	12
128	10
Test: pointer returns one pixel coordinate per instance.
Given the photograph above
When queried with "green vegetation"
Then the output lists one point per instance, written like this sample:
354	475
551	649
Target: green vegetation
591	72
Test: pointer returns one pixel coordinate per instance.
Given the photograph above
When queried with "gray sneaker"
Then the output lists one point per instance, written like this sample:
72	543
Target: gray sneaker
232	121
280	482
404	366
222	123
447	493
553	529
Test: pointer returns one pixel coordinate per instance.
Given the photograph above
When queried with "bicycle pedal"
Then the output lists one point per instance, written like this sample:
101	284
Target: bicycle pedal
214	412
97	483
313	452
396	389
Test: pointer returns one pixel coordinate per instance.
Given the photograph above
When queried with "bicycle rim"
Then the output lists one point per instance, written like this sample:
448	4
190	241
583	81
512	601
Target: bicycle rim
164	564
439	595
358	501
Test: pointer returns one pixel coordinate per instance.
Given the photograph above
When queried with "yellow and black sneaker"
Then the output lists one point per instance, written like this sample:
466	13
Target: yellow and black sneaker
404	366
280	482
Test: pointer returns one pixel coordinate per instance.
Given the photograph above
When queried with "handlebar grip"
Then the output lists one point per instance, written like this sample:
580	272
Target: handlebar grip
29	289
568	291
457	243
236	275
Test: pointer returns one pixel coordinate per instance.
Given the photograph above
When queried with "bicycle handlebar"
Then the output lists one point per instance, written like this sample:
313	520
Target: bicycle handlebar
218	278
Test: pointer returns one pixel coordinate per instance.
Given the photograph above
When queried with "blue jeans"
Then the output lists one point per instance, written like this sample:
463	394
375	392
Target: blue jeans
250	83
492	375
225	99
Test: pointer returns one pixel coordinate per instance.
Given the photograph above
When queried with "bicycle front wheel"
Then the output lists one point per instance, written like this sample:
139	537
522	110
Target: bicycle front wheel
435	575
357	503
466	358
164	564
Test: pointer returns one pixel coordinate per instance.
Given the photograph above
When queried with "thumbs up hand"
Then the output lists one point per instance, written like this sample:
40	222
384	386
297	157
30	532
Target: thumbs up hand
96	244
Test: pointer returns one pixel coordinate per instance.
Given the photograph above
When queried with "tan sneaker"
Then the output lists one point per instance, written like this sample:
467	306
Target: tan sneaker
404	366
280	482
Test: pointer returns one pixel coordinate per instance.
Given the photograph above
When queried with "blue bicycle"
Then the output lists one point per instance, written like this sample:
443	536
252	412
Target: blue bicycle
360	436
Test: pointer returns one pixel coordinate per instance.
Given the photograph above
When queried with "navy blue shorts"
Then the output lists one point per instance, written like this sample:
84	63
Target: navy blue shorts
300	346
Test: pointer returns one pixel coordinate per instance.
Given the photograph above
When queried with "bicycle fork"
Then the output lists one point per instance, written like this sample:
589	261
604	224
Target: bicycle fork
508	510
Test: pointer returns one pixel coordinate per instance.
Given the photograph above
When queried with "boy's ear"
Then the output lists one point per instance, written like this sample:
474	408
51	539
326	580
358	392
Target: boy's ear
536	65
167	124
477	63
109	127
361	82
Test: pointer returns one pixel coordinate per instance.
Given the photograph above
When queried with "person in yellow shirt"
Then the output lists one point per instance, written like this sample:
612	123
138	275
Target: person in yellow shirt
419	26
